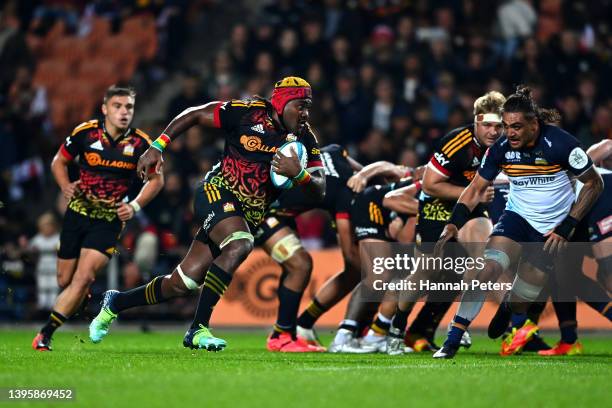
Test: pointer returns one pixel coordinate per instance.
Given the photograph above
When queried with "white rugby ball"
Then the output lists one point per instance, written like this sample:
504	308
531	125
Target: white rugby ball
300	150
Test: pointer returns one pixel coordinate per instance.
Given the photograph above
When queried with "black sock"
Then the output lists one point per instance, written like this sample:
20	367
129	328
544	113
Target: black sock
55	321
566	314
400	320
215	284
535	310
380	327
312	313
569	332
148	294
349	325
288	306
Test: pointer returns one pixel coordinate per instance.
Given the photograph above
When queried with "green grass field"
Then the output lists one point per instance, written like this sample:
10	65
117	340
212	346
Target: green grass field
131	369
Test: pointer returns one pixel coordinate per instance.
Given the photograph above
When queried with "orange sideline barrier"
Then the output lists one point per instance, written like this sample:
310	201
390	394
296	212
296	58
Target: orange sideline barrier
251	298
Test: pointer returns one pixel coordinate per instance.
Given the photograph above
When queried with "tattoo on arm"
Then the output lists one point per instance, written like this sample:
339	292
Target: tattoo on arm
593	186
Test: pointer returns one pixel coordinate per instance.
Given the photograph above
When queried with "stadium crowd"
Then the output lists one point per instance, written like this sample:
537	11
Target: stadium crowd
389	78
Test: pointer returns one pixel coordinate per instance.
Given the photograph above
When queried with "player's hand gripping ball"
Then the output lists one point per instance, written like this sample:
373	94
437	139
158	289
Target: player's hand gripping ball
289	151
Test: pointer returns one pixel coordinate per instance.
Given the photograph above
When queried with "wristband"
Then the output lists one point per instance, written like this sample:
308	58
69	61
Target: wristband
302	178
461	214
566	228
135	206
161	142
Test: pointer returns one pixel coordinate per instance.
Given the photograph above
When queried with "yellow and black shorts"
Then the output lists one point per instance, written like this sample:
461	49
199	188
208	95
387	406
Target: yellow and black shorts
211	205
369	218
433	215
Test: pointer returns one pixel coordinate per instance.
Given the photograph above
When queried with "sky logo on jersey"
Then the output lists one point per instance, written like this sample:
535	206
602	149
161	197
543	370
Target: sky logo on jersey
533	181
440	158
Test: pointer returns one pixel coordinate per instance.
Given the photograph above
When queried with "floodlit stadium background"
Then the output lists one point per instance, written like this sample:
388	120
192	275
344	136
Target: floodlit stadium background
388	78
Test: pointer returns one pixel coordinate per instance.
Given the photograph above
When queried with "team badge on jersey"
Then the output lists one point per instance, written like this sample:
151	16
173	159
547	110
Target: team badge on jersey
541	160
272	222
227	207
291	137
578	158
128	150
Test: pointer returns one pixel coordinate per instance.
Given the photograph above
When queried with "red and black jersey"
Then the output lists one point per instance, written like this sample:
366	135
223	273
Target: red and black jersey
458	156
106	167
251	141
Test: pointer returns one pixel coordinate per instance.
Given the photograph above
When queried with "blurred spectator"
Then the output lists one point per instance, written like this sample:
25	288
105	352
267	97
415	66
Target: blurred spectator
444	99
384	104
45	245
239	50
288	58
587	88
313	47
516	19
351	109
602	126
14	51
222	76
191	95
572	117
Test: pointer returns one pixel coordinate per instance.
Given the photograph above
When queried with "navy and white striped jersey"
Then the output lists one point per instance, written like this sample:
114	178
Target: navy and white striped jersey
540	189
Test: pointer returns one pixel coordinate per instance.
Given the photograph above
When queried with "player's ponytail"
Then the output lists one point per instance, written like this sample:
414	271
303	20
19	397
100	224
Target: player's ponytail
522	101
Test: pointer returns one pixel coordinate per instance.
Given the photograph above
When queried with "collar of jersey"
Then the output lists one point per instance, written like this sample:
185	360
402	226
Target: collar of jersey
110	138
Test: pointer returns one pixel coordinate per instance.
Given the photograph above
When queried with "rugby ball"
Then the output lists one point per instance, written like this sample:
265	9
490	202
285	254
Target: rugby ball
300	150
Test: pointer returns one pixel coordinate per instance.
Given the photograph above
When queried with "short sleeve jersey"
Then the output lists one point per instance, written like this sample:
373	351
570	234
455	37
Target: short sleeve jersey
107	167
540	188
457	157
251	140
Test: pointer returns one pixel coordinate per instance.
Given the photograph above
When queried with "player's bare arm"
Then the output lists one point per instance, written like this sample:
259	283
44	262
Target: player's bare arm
59	168
601	153
199	115
149	190
437	185
391	171
473	194
593	186
402	200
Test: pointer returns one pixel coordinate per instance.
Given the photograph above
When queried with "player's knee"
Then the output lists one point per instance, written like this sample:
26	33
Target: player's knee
181	283
236	251
523	290
82	281
299	264
496	262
